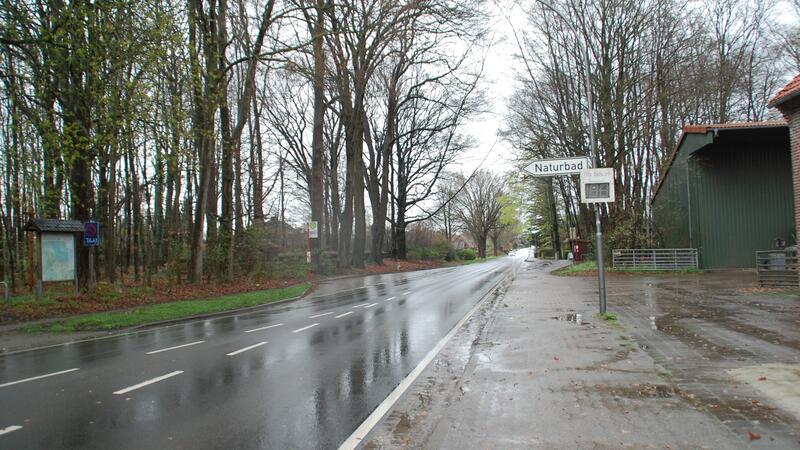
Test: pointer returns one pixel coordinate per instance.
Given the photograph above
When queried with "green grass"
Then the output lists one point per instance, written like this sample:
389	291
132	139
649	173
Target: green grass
465	262
587	267
579	268
608	317
611	320
113	320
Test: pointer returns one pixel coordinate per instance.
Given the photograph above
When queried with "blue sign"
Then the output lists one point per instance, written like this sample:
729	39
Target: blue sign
91	234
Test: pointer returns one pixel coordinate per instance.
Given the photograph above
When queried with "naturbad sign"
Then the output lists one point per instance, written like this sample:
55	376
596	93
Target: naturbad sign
558	166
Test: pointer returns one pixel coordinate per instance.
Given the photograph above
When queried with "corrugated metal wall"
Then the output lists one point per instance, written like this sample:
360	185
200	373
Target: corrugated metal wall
671	208
741	188
741	196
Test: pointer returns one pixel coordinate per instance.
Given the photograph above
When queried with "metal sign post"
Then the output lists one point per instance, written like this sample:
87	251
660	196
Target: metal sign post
601	271
597	186
91	239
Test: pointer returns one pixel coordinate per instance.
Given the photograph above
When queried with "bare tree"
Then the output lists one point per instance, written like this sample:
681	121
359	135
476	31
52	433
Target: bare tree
480	207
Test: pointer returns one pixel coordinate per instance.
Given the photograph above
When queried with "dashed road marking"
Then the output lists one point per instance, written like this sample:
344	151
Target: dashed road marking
390	299
173	348
241	350
370	306
148	382
359	306
342	315
9	429
406	292
11	383
264	328
305	328
320	315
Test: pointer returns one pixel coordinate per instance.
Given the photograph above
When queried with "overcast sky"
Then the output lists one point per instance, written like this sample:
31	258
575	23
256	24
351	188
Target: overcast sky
498	83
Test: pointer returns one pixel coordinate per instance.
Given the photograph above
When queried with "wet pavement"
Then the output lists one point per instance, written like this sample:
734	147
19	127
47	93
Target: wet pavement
695	361
302	374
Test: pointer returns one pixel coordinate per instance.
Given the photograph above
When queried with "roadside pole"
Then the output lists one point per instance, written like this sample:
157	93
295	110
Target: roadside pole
597	186
308	251
601	271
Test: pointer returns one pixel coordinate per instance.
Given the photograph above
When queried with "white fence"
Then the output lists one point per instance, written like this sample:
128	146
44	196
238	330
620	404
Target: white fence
655	258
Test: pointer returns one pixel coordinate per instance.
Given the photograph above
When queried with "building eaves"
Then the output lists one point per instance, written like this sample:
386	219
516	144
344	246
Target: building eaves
788	92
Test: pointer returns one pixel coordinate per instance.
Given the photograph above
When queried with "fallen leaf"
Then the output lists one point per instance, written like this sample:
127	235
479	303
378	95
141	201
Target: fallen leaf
753	436
762	378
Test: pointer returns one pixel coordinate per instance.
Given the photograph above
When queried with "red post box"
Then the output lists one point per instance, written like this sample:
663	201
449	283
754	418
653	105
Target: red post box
580	248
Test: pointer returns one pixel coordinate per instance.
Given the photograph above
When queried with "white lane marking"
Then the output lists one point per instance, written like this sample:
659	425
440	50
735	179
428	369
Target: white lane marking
377	415
11	383
370	306
173	348
359	306
264	328
345	314
320	315
406	292
305	328
246	348
390	299
9	429
147	382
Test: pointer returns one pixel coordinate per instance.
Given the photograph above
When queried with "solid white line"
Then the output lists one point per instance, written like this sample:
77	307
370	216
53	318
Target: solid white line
406	292
320	315
359	306
305	328
389	299
9	429
345	314
145	383
370	306
263	328
246	349
11	383
377	415
173	348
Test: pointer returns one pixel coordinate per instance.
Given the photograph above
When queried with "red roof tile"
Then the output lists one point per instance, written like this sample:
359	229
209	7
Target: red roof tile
791	90
733	125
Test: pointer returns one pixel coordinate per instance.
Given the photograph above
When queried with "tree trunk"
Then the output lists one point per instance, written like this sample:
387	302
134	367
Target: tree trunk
316	186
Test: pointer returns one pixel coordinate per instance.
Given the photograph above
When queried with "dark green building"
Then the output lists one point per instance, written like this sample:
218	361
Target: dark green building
727	191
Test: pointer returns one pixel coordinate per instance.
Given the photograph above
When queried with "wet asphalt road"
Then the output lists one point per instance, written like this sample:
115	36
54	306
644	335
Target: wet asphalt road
302	374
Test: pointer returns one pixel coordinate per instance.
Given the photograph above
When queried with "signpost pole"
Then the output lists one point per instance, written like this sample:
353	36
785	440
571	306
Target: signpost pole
308	249
601	273
92	280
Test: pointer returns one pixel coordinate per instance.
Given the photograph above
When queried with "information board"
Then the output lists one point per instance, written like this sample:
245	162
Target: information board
58	257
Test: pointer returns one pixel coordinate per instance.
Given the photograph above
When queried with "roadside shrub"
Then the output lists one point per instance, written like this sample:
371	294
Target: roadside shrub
467	254
425	253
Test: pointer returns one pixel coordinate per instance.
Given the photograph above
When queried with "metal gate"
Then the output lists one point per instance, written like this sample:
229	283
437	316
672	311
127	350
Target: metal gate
655	259
777	268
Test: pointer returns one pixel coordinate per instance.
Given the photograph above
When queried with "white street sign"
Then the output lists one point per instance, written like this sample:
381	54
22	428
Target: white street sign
597	186
558	166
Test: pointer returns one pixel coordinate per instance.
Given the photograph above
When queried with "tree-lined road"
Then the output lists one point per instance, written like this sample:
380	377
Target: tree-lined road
302	374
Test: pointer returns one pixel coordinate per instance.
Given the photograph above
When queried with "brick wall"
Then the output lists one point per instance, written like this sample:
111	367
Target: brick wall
791	111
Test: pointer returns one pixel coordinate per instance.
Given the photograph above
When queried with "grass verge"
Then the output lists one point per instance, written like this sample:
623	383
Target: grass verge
611	320
590	267
113	320
464	262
